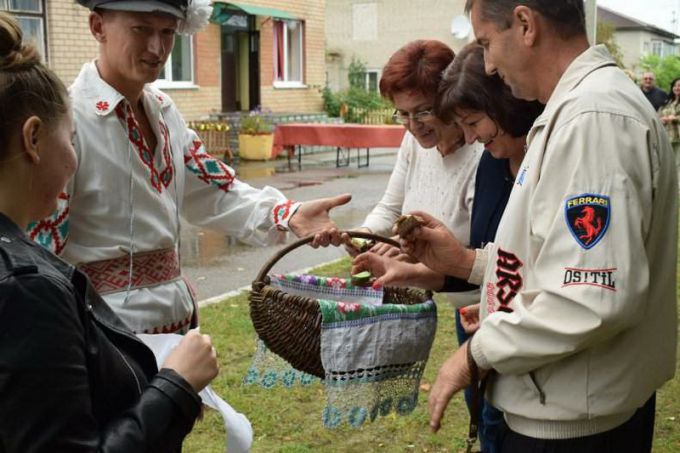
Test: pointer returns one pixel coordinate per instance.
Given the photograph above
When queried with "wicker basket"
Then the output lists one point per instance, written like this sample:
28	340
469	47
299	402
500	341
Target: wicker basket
290	325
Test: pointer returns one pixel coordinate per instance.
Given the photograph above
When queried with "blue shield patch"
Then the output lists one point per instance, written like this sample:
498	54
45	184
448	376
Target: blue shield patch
587	217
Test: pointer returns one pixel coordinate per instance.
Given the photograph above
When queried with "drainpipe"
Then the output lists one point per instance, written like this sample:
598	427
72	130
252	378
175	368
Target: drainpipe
591	20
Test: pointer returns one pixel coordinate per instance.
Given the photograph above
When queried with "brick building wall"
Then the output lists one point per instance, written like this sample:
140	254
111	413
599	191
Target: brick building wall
70	45
307	99
207	97
69	41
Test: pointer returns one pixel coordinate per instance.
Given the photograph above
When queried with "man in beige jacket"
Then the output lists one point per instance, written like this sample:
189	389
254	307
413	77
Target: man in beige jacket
578	290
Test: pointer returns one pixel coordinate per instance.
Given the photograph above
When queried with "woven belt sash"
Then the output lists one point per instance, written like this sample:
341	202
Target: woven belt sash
148	269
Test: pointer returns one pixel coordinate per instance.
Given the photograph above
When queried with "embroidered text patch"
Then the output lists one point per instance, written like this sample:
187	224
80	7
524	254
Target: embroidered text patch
601	278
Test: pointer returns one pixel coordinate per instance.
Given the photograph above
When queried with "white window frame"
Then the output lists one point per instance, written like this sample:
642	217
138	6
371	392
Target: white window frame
167	83
367	80
42	15
292	83
656	47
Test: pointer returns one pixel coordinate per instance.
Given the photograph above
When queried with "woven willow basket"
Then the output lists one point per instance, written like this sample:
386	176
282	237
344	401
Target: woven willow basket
290	325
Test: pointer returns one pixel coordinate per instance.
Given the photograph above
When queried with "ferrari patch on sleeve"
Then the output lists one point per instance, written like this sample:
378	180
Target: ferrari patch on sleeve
587	217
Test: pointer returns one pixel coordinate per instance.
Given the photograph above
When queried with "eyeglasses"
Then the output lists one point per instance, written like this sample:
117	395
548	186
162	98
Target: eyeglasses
403	117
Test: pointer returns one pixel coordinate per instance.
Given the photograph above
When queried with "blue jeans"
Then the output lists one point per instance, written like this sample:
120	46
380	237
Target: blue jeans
491	419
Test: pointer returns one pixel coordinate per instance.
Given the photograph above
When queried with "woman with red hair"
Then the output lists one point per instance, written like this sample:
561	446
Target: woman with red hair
435	169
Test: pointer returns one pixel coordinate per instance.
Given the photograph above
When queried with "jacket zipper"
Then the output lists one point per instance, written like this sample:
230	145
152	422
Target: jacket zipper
122	356
132	371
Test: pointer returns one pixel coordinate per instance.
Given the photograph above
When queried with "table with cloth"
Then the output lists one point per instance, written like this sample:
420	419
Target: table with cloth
343	137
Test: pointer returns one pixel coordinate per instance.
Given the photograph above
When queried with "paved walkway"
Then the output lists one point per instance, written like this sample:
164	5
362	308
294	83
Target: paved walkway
217	264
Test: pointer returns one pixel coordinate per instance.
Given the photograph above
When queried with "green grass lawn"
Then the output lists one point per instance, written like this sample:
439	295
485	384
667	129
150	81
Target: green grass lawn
289	420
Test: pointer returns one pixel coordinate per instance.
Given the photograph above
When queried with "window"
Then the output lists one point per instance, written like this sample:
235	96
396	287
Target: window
371	82
31	16
668	49
179	69
657	48
288	53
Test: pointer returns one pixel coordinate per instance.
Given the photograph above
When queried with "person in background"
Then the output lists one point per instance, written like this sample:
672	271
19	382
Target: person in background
579	314
486	111
656	96
73	377
670	117
140	169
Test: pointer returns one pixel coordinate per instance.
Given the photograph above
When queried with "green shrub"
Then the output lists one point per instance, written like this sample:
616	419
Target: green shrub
343	103
331	102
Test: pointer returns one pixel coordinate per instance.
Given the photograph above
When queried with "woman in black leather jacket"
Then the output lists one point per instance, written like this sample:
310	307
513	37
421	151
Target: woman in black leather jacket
73	377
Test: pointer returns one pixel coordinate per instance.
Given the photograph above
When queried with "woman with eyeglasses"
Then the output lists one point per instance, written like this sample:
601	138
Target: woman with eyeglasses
435	169
486	111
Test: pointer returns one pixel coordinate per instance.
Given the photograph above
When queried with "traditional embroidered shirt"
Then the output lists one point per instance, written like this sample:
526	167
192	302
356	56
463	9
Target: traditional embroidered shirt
126	197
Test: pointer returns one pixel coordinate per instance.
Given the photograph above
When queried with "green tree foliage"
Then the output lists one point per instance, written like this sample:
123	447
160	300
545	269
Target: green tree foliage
605	35
331	102
666	69
356	73
356	97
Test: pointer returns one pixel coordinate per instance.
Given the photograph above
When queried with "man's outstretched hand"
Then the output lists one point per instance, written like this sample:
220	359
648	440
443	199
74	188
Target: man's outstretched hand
435	246
453	376
312	218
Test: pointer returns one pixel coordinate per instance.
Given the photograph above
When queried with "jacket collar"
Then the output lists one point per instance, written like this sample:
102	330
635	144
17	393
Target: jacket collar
592	59
9	231
15	258
103	99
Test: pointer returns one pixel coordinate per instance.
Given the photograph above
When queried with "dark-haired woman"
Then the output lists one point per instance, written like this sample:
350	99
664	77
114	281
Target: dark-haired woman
483	106
73	377
670	117
487	112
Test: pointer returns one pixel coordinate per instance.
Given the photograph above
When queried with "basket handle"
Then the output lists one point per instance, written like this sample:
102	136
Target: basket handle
284	251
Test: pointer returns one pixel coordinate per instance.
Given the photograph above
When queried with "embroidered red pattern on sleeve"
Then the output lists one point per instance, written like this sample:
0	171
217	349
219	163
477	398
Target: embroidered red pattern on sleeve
52	232
282	213
208	169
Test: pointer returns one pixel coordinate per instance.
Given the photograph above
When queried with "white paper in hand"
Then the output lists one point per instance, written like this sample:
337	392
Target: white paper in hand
238	427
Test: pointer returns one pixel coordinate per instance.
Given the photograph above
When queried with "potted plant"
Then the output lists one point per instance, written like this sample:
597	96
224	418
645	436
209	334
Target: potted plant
256	137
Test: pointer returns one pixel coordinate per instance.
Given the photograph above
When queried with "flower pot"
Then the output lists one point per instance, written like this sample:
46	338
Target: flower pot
255	147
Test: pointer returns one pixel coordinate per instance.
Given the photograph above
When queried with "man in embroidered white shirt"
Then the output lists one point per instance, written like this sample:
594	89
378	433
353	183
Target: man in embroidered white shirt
578	289
140	169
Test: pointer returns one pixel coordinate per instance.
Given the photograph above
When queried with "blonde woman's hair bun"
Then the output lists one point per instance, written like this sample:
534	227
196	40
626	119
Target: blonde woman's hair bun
14	54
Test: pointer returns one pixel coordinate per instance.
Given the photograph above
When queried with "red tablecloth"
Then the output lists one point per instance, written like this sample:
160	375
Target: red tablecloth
340	135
